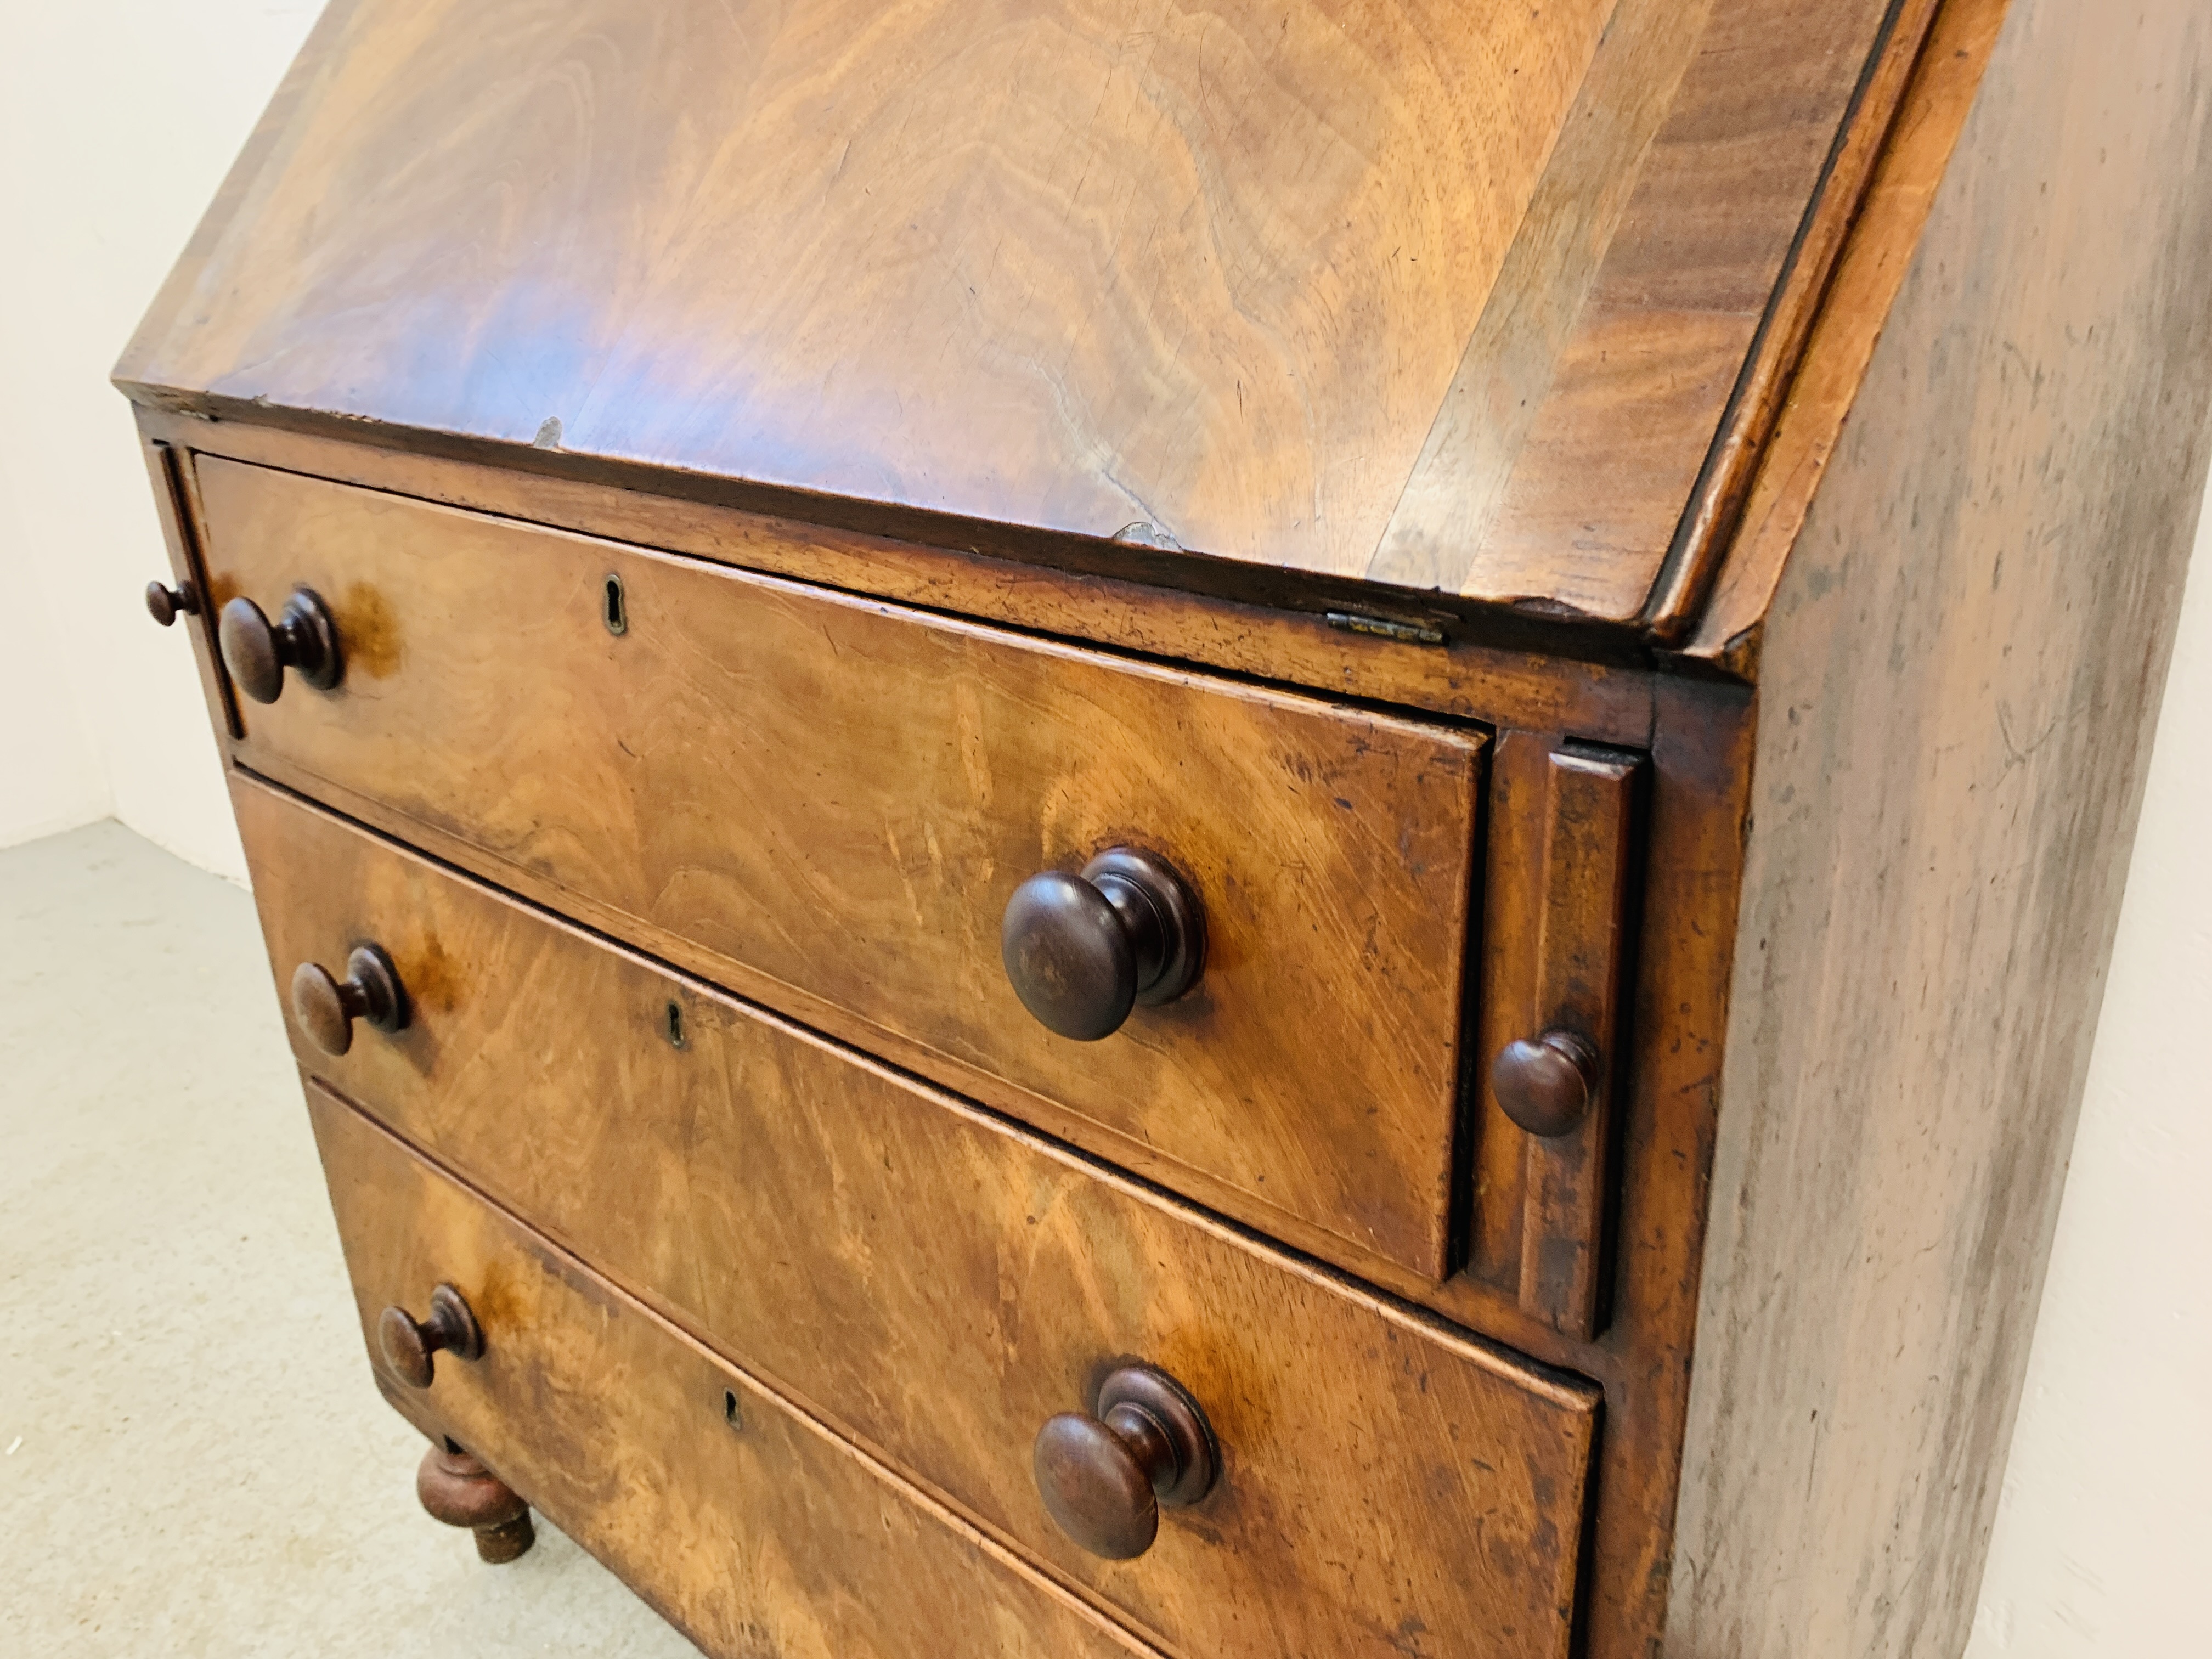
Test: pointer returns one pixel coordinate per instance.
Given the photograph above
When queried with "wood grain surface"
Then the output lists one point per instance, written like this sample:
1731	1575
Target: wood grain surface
1705	542
1539	677
1960	670
1559	474
1060	261
938	1285
1567	974
739	1519
1697	735
171	472
833	800
1870	271
1985	375
1436	297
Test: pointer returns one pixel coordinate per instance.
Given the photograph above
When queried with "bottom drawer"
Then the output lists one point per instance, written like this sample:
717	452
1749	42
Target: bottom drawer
751	1529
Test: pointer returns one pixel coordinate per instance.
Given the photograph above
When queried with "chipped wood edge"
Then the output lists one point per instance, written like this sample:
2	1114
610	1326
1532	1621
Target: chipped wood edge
1838	342
1701	543
1447	508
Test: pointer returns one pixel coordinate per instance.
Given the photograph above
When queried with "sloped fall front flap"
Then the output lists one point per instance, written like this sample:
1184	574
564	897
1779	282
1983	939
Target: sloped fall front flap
1445	294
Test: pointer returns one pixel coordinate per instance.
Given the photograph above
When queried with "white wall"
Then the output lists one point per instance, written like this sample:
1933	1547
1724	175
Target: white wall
117	119
2104	1537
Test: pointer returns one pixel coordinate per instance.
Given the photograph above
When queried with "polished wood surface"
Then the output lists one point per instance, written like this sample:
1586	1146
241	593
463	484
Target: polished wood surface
835	801
1572	466
1564	858
1870	271
1348	287
1579	962
1790	522
1665	1094
1959	673
1705	542
1699	736
1538	676
736	1517
939	1285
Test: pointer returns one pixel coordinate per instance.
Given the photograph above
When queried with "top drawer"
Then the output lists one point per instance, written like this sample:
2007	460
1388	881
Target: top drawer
828	803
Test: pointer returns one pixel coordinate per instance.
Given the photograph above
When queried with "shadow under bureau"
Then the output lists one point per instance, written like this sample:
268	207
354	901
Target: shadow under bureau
1230	832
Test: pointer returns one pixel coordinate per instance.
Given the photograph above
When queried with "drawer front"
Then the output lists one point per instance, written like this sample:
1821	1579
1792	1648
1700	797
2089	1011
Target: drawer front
938	1285
827	804
748	1527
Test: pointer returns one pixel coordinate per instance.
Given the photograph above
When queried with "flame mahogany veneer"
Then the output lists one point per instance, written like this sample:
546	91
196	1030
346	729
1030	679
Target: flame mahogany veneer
1225	831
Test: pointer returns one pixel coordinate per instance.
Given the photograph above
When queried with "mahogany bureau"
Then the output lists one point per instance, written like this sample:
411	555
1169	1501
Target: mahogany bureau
1222	830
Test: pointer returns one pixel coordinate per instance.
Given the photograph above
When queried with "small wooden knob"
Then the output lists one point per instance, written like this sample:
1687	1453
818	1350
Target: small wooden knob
166	603
459	1490
409	1344
1545	1084
1083	950
327	1006
1103	1478
304	639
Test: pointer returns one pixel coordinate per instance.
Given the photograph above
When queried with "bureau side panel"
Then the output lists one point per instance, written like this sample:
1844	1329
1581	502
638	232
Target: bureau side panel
1960	672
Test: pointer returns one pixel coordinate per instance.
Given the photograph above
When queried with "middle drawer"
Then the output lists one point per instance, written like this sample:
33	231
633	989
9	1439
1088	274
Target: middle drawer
938	1285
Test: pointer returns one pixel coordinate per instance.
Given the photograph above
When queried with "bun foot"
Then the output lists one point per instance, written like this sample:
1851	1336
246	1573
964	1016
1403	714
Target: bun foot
458	1490
500	1544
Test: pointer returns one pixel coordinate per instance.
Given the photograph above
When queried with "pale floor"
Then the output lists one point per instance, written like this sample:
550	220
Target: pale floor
193	1460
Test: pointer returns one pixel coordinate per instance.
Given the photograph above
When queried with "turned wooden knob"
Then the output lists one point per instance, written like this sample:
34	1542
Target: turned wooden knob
166	603
1082	949
410	1343
326	1006
304	639
458	1490
1103	1478
1545	1084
